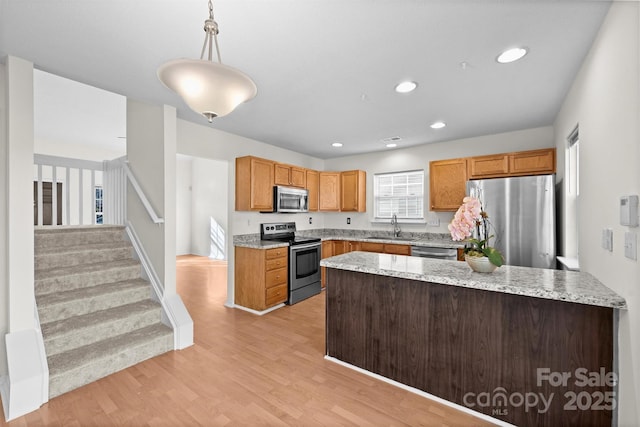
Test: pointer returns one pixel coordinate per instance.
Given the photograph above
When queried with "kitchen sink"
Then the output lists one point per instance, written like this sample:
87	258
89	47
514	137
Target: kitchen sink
405	239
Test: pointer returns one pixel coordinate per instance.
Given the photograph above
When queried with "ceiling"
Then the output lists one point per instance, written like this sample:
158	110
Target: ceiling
325	69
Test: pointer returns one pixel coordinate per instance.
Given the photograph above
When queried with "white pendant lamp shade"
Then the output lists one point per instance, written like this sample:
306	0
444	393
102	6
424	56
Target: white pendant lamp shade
209	88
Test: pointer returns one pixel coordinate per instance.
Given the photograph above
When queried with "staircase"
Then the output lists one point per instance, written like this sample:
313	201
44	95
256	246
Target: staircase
96	312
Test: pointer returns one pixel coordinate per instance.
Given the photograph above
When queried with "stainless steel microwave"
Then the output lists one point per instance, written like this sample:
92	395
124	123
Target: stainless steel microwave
289	199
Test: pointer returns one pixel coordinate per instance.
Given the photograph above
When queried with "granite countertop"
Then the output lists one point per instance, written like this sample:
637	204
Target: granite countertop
560	285
438	240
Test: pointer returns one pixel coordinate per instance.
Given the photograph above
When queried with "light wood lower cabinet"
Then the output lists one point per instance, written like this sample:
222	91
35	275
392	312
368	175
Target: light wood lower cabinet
260	277
385	248
338	247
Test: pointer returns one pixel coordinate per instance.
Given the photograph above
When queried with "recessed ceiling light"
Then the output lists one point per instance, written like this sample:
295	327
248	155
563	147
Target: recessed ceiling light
511	55
406	87
392	145
336	144
438	125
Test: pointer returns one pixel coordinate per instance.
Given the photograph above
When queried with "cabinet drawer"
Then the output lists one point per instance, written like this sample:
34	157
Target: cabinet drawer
277	252
276	295
276	277
371	247
397	249
272	264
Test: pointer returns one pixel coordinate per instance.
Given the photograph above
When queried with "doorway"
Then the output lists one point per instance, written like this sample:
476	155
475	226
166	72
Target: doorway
47	203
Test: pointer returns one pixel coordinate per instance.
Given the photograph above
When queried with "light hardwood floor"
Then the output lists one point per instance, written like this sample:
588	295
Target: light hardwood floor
243	370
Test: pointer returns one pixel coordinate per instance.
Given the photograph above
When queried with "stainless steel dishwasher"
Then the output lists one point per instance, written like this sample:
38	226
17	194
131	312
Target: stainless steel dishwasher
434	252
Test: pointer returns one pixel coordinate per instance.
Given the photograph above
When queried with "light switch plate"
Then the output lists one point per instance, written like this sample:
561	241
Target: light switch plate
630	245
607	239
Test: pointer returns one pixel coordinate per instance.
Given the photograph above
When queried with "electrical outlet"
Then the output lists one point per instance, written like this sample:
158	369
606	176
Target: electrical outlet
434	222
630	245
310	220
348	220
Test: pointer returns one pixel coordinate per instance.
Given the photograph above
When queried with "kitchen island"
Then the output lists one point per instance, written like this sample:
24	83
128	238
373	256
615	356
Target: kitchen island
523	345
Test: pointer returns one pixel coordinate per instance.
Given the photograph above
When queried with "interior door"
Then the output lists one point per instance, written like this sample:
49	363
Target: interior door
47	203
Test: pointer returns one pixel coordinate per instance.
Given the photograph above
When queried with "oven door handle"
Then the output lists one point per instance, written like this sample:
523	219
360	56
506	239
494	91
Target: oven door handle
306	246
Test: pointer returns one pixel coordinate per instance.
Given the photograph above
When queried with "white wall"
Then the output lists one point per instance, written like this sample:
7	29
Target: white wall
418	157
4	288
202	194
604	100
80	151
183	204
151	152
208	200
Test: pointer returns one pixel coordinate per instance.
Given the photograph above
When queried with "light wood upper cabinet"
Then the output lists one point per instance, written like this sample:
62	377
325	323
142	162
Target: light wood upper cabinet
447	184
313	186
254	184
329	191
488	166
522	163
537	162
288	175
353	191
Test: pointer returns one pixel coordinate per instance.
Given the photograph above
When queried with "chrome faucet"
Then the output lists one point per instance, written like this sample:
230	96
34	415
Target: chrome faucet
396	226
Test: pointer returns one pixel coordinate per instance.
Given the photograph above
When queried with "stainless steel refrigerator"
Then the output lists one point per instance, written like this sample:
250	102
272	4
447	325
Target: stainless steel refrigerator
522	213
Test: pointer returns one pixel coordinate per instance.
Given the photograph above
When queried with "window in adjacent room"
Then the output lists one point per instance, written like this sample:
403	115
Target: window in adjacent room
573	192
400	193
98	207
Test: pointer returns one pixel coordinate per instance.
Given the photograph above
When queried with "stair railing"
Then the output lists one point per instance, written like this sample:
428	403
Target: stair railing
117	174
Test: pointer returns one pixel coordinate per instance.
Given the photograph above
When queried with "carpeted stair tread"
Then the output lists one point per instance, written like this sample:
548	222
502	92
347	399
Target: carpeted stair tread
62	229
62	305
101	246
80	366
77	331
69	236
86	254
83	269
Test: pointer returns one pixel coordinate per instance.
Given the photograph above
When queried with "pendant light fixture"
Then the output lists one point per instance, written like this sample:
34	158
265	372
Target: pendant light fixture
209	88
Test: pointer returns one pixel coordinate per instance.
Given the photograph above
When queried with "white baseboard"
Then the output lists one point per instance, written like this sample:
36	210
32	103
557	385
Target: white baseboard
258	313
26	387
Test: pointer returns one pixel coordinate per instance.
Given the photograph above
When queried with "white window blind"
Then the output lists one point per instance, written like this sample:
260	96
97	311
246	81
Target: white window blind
400	193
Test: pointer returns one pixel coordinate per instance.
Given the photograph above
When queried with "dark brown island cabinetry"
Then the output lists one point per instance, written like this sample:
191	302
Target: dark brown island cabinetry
520	359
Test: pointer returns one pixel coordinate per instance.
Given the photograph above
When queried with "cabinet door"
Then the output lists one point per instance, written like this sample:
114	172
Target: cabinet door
313	184
353	191
447	184
352	246
535	162
298	177
254	184
281	174
340	247
488	166
329	193
261	185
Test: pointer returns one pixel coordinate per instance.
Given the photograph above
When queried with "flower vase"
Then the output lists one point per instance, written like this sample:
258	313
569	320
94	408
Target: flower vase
480	264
